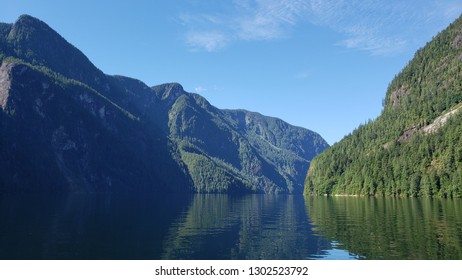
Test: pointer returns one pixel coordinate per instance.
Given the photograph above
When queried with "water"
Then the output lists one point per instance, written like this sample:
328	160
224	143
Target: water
391	228
227	227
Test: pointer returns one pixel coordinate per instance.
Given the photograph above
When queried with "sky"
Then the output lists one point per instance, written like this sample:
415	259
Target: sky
320	64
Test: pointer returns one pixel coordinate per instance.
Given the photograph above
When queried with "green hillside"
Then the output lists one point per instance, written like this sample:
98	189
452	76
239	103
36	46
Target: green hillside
414	148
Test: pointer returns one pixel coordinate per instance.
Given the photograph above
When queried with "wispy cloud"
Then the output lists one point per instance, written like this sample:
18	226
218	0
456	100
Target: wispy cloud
375	26
269	19
383	27
200	89
245	20
207	40
453	10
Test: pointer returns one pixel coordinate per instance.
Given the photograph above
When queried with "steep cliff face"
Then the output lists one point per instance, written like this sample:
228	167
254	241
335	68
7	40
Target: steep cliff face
65	136
67	126
414	148
35	42
287	148
235	150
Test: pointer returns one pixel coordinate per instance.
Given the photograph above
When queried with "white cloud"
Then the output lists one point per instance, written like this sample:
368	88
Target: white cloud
200	89
384	27
375	26
269	19
375	45
246	20
209	41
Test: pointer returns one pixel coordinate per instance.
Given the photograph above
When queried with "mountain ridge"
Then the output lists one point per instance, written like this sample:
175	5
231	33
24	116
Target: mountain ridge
95	132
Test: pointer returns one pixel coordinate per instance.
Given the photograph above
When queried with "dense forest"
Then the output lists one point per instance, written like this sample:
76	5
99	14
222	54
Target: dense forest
414	148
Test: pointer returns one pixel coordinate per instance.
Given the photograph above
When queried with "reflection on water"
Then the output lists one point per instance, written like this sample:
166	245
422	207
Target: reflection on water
390	228
149	227
244	227
82	226
227	227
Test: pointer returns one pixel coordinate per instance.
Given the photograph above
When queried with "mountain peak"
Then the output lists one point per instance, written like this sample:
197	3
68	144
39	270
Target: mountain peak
28	27
26	19
169	90
33	41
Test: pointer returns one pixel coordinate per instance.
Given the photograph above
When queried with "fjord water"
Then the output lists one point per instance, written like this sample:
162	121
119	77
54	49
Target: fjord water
391	228
115	226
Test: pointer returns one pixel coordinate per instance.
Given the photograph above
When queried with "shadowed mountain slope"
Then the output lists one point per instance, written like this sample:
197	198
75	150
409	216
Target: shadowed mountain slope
67	126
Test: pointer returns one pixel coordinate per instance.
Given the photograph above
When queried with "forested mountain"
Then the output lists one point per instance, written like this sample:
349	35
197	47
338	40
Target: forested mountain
414	148
67	126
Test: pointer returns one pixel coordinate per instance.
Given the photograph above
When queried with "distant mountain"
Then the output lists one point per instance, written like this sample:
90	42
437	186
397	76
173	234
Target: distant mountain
235	150
414	148
67	126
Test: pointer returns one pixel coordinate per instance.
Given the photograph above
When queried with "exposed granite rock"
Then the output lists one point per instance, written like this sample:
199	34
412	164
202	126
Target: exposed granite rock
397	95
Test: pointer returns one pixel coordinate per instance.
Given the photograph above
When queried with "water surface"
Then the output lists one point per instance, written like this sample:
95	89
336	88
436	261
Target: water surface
118	226
390	228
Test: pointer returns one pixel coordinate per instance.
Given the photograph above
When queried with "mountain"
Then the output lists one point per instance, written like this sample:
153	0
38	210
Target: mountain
414	148
67	126
235	150
61	128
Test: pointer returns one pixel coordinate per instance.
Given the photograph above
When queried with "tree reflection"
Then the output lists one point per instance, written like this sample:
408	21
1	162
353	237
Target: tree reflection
390	228
244	227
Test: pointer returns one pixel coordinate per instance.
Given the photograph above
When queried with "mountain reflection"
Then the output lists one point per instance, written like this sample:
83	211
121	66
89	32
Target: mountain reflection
390	228
147	226
243	227
85	226
220	226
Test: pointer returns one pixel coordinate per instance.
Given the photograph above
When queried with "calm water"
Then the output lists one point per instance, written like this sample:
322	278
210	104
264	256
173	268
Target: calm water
228	227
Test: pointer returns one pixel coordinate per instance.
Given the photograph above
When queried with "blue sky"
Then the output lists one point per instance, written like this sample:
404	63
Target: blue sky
320	64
